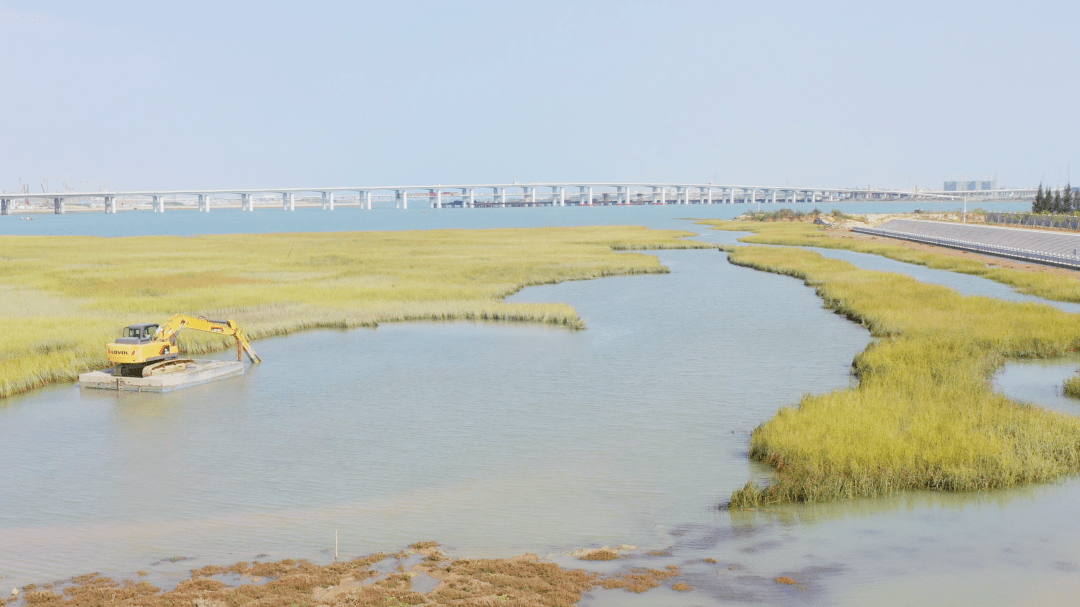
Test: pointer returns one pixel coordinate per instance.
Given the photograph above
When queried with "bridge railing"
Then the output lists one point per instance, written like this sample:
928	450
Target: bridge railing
1054	259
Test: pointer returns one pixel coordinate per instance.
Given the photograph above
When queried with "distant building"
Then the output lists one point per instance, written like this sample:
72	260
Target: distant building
970	186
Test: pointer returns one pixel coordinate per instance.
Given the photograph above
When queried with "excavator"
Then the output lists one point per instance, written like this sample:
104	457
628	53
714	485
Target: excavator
148	349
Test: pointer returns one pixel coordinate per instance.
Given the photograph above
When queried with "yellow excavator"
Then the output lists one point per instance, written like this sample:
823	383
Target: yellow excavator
149	349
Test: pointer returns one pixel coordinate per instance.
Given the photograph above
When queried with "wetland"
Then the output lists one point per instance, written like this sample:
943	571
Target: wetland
501	438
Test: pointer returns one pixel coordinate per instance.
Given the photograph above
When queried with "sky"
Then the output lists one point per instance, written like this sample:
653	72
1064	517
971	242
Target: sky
154	95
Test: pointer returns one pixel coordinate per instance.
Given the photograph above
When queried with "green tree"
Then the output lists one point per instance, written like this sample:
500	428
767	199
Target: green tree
1067	199
1039	205
1057	202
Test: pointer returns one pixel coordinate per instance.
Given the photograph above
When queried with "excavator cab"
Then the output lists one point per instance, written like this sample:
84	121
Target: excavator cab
138	334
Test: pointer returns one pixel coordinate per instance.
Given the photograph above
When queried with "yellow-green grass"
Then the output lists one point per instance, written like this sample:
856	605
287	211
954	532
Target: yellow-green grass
1056	287
63	298
1072	386
924	415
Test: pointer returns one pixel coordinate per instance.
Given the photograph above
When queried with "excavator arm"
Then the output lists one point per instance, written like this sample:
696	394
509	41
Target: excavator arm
168	331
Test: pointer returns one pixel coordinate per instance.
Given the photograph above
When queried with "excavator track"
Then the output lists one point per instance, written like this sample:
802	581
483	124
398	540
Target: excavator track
166	366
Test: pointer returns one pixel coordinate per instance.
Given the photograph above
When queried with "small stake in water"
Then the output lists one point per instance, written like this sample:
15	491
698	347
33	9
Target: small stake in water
335	545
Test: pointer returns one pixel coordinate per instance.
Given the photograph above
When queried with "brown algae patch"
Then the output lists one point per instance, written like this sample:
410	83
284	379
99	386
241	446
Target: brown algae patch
600	555
605	553
640	579
519	581
786	580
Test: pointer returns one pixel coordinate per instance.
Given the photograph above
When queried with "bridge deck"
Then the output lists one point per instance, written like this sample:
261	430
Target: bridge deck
1037	246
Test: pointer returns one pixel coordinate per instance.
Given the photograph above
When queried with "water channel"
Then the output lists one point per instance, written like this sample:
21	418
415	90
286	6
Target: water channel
497	439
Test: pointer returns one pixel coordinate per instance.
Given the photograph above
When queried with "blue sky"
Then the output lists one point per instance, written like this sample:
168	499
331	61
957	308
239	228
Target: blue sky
265	94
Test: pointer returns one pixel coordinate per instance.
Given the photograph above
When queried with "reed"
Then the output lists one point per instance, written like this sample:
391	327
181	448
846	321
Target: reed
924	415
1056	287
63	298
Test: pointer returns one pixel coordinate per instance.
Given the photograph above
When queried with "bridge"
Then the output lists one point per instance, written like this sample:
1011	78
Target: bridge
479	196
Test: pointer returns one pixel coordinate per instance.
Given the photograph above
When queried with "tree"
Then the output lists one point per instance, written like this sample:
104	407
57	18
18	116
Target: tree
1067	199
1039	206
1057	202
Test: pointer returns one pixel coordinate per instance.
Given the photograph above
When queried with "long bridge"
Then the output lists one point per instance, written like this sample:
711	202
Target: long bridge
479	196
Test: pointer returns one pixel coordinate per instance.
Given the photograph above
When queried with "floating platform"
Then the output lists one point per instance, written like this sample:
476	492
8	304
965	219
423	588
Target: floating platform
200	372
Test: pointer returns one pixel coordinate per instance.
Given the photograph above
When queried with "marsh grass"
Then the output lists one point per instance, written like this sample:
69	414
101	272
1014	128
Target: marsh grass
63	298
1072	386
923	415
1056	287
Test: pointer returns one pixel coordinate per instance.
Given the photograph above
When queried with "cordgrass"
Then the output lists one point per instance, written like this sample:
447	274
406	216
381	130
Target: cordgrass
1055	287
1072	386
63	298
924	415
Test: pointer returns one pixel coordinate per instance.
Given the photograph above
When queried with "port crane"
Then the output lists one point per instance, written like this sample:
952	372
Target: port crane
150	349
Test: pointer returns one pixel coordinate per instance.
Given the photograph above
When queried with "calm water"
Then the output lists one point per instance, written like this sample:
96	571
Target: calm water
497	439
230	221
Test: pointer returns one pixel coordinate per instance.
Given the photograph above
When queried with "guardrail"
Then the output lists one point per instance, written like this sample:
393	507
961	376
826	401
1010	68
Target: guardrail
1053	259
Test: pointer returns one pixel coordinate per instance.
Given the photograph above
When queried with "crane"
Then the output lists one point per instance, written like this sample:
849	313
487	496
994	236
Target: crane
149	349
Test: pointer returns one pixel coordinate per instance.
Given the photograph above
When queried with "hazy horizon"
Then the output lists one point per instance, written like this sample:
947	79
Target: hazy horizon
134	96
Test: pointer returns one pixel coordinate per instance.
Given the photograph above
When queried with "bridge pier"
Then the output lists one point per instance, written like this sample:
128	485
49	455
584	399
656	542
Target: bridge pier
58	206
5	206
328	201
288	201
438	198
204	203
246	203
110	205
587	194
558	193
158	204
709	196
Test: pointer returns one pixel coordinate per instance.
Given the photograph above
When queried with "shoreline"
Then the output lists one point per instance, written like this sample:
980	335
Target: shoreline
277	284
923	415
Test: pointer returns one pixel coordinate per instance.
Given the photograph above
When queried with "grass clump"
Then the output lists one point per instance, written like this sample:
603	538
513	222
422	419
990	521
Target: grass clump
63	298
1056	287
1072	386
923	415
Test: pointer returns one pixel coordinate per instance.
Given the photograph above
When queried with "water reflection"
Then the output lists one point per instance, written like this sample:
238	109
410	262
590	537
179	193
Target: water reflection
1040	382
